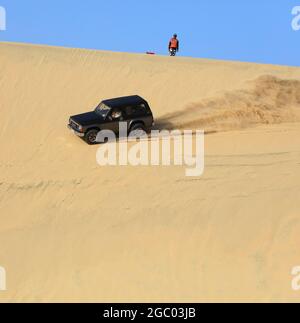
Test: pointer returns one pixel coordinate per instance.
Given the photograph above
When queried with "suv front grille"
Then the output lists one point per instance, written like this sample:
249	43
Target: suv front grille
74	125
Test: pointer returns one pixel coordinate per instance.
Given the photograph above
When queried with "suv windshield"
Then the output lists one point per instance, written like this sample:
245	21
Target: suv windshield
102	110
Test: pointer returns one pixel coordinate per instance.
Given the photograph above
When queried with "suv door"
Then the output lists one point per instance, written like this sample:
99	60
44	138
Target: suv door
129	115
113	119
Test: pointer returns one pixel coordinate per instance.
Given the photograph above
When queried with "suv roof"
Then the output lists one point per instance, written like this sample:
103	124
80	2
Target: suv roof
124	101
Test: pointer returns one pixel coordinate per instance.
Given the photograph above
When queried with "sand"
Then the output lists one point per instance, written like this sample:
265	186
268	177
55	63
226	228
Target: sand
71	230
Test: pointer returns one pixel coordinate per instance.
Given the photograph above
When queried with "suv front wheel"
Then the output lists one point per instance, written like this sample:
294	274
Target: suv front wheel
91	137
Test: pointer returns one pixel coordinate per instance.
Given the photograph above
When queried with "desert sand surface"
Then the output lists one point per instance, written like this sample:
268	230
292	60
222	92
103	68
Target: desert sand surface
71	230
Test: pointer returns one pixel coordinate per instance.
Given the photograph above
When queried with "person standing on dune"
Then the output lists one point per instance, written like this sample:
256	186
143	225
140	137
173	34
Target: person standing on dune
174	45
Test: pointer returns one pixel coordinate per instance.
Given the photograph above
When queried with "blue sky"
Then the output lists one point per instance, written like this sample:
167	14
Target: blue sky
244	30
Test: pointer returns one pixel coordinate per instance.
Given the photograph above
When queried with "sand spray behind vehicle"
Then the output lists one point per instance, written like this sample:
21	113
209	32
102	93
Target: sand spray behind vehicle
266	100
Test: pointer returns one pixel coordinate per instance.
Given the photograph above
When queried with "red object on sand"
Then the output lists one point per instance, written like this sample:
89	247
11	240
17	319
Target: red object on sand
150	53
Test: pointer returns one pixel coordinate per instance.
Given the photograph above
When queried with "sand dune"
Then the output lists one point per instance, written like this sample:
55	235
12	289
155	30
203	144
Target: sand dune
71	230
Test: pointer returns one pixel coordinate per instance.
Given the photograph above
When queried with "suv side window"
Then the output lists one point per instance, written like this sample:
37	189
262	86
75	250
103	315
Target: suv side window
129	111
117	114
133	112
136	111
143	109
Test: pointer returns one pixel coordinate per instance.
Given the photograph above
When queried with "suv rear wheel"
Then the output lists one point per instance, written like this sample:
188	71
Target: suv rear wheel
91	137
137	129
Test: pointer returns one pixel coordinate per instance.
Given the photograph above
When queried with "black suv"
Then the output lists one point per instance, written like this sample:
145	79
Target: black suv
133	110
